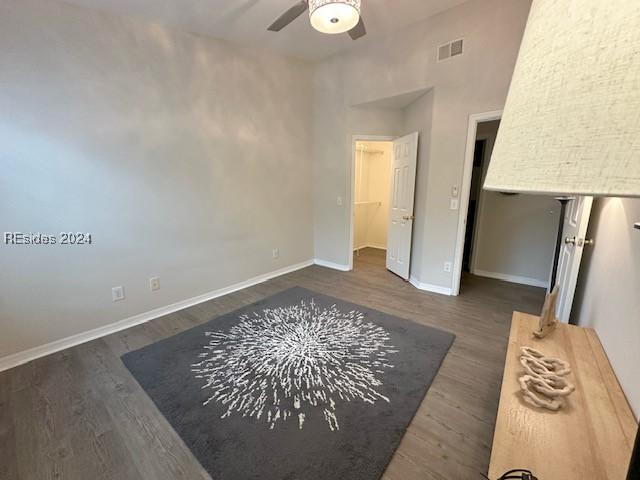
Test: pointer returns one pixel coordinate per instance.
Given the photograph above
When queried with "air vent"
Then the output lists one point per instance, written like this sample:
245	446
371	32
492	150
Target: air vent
444	52
451	49
456	48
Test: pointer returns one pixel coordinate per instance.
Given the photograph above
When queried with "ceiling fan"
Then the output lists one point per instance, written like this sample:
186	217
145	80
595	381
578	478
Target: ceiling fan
326	16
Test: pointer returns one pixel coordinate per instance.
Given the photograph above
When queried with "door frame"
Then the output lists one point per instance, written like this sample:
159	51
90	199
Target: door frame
465	191
352	182
476	228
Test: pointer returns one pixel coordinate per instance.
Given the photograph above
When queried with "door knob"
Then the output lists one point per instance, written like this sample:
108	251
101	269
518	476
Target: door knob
589	242
408	217
580	242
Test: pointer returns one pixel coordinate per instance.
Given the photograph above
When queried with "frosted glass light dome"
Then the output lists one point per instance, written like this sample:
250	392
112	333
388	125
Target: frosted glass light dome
334	16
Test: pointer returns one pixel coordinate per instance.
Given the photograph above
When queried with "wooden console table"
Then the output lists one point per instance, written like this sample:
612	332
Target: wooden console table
591	437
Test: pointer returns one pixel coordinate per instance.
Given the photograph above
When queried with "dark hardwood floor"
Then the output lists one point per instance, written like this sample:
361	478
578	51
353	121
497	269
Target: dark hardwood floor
78	414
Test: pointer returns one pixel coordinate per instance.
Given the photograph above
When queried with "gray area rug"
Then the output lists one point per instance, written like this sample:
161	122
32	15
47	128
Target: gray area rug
296	386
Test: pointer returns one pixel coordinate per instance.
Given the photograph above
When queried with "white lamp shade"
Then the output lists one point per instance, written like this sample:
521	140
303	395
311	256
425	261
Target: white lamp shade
334	16
571	123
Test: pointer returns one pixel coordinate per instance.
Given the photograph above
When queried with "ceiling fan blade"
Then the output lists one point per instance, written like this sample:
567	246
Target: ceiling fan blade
358	31
289	16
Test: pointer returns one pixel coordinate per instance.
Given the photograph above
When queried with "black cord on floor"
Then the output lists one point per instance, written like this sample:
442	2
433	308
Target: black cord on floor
517	474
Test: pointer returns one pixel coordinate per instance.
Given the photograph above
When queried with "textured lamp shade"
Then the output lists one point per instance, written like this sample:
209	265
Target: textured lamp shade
571	124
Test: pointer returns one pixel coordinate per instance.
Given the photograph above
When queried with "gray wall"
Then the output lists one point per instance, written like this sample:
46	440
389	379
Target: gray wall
185	157
335	135
515	235
406	61
418	118
608	293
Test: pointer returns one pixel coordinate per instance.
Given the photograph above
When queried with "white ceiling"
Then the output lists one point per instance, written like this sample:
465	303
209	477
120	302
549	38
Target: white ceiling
245	22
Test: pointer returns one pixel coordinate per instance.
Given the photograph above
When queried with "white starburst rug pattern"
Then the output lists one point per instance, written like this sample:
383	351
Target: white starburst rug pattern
292	362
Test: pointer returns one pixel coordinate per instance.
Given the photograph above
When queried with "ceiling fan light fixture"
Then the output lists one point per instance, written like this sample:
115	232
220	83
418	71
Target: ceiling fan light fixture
334	16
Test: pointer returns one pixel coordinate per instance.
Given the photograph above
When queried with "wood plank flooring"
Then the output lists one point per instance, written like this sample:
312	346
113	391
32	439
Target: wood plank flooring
78	414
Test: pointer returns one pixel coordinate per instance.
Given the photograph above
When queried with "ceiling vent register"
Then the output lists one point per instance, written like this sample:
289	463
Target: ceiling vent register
451	49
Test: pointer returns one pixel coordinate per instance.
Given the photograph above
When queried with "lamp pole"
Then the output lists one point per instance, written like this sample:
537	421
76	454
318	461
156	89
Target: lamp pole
634	466
556	257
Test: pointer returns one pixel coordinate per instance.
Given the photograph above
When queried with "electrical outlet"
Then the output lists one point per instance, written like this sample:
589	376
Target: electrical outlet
339	201
154	283
454	191
117	293
275	253
447	267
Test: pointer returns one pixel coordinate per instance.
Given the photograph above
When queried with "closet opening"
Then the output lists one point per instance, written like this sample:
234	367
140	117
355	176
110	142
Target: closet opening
372	191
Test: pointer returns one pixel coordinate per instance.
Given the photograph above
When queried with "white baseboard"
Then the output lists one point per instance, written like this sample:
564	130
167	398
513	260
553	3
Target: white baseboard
335	266
534	282
25	356
370	245
427	287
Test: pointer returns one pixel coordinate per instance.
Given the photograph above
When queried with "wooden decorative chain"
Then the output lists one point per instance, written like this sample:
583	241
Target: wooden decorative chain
543	384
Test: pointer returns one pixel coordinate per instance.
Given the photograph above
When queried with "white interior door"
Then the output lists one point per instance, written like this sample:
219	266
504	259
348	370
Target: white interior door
403	186
576	221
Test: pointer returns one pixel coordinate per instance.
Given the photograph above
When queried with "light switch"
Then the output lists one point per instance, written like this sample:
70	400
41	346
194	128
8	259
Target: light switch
339	201
453	205
117	293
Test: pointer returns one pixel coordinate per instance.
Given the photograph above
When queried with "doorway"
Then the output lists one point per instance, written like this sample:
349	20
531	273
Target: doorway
382	191
503	236
474	197
372	171
358	241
